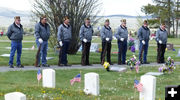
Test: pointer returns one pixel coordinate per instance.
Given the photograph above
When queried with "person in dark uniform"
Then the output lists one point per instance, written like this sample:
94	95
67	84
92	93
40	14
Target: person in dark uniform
15	34
143	35
106	37
42	34
85	34
122	36
161	39
64	38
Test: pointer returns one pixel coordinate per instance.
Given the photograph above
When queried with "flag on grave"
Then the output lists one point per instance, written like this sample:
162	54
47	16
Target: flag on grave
39	76
138	85
76	79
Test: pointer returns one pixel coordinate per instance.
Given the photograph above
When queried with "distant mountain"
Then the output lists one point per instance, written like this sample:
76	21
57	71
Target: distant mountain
126	16
6	12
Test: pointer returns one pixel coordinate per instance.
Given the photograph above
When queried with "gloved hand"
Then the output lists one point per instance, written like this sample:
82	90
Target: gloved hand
143	42
40	40
85	40
107	39
60	43
122	39
160	42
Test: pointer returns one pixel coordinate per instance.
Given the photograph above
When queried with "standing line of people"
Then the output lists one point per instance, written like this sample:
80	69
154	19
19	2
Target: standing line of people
42	35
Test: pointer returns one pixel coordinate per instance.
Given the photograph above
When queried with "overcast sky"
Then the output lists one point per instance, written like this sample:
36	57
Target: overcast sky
109	7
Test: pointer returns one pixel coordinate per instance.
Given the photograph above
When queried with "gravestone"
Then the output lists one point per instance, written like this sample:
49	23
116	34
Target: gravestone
149	87
136	44
178	53
5	55
48	78
118	69
94	47
91	85
49	58
170	46
15	96
154	73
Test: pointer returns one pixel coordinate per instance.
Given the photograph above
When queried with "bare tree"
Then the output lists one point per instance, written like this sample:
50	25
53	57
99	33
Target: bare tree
76	10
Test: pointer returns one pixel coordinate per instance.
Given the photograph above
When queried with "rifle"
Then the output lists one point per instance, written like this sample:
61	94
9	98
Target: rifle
120	53
37	56
60	54
141	53
104	53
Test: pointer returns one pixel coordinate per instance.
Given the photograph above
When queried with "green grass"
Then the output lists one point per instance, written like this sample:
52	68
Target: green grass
113	85
28	56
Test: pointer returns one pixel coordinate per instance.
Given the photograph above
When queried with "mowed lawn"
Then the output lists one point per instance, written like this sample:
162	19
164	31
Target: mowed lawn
28	56
113	85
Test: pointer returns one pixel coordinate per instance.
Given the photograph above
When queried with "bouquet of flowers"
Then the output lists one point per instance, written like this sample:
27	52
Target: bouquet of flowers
106	66
168	67
133	63
131	45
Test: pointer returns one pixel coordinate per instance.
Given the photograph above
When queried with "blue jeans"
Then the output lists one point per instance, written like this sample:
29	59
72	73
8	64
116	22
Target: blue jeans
15	46
145	49
43	52
64	52
122	46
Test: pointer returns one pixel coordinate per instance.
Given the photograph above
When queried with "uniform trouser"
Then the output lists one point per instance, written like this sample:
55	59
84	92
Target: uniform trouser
43	51
15	46
143	48
64	52
106	48
122	46
160	52
85	53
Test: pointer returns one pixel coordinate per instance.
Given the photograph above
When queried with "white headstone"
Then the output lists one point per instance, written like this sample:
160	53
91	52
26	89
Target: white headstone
91	83
15	96
94	47
154	73
49	58
136	44
48	78
178	53
5	55
118	69
149	87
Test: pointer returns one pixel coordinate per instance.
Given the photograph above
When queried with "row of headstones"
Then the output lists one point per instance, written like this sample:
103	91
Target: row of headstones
91	85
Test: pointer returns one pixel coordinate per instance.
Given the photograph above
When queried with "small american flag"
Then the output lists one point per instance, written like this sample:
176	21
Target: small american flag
138	85
76	79
39	76
137	69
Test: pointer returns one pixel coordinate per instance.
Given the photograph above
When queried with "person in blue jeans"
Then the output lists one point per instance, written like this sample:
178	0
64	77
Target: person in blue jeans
64	38
122	36
15	34
143	35
42	34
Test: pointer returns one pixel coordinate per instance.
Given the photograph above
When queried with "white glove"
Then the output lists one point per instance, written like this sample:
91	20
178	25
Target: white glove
122	39
160	42
60	43
107	39
85	40
40	40
143	42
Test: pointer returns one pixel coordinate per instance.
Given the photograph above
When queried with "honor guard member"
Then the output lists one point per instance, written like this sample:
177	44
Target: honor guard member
15	34
42	34
86	32
122	36
161	39
143	35
64	38
106	37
